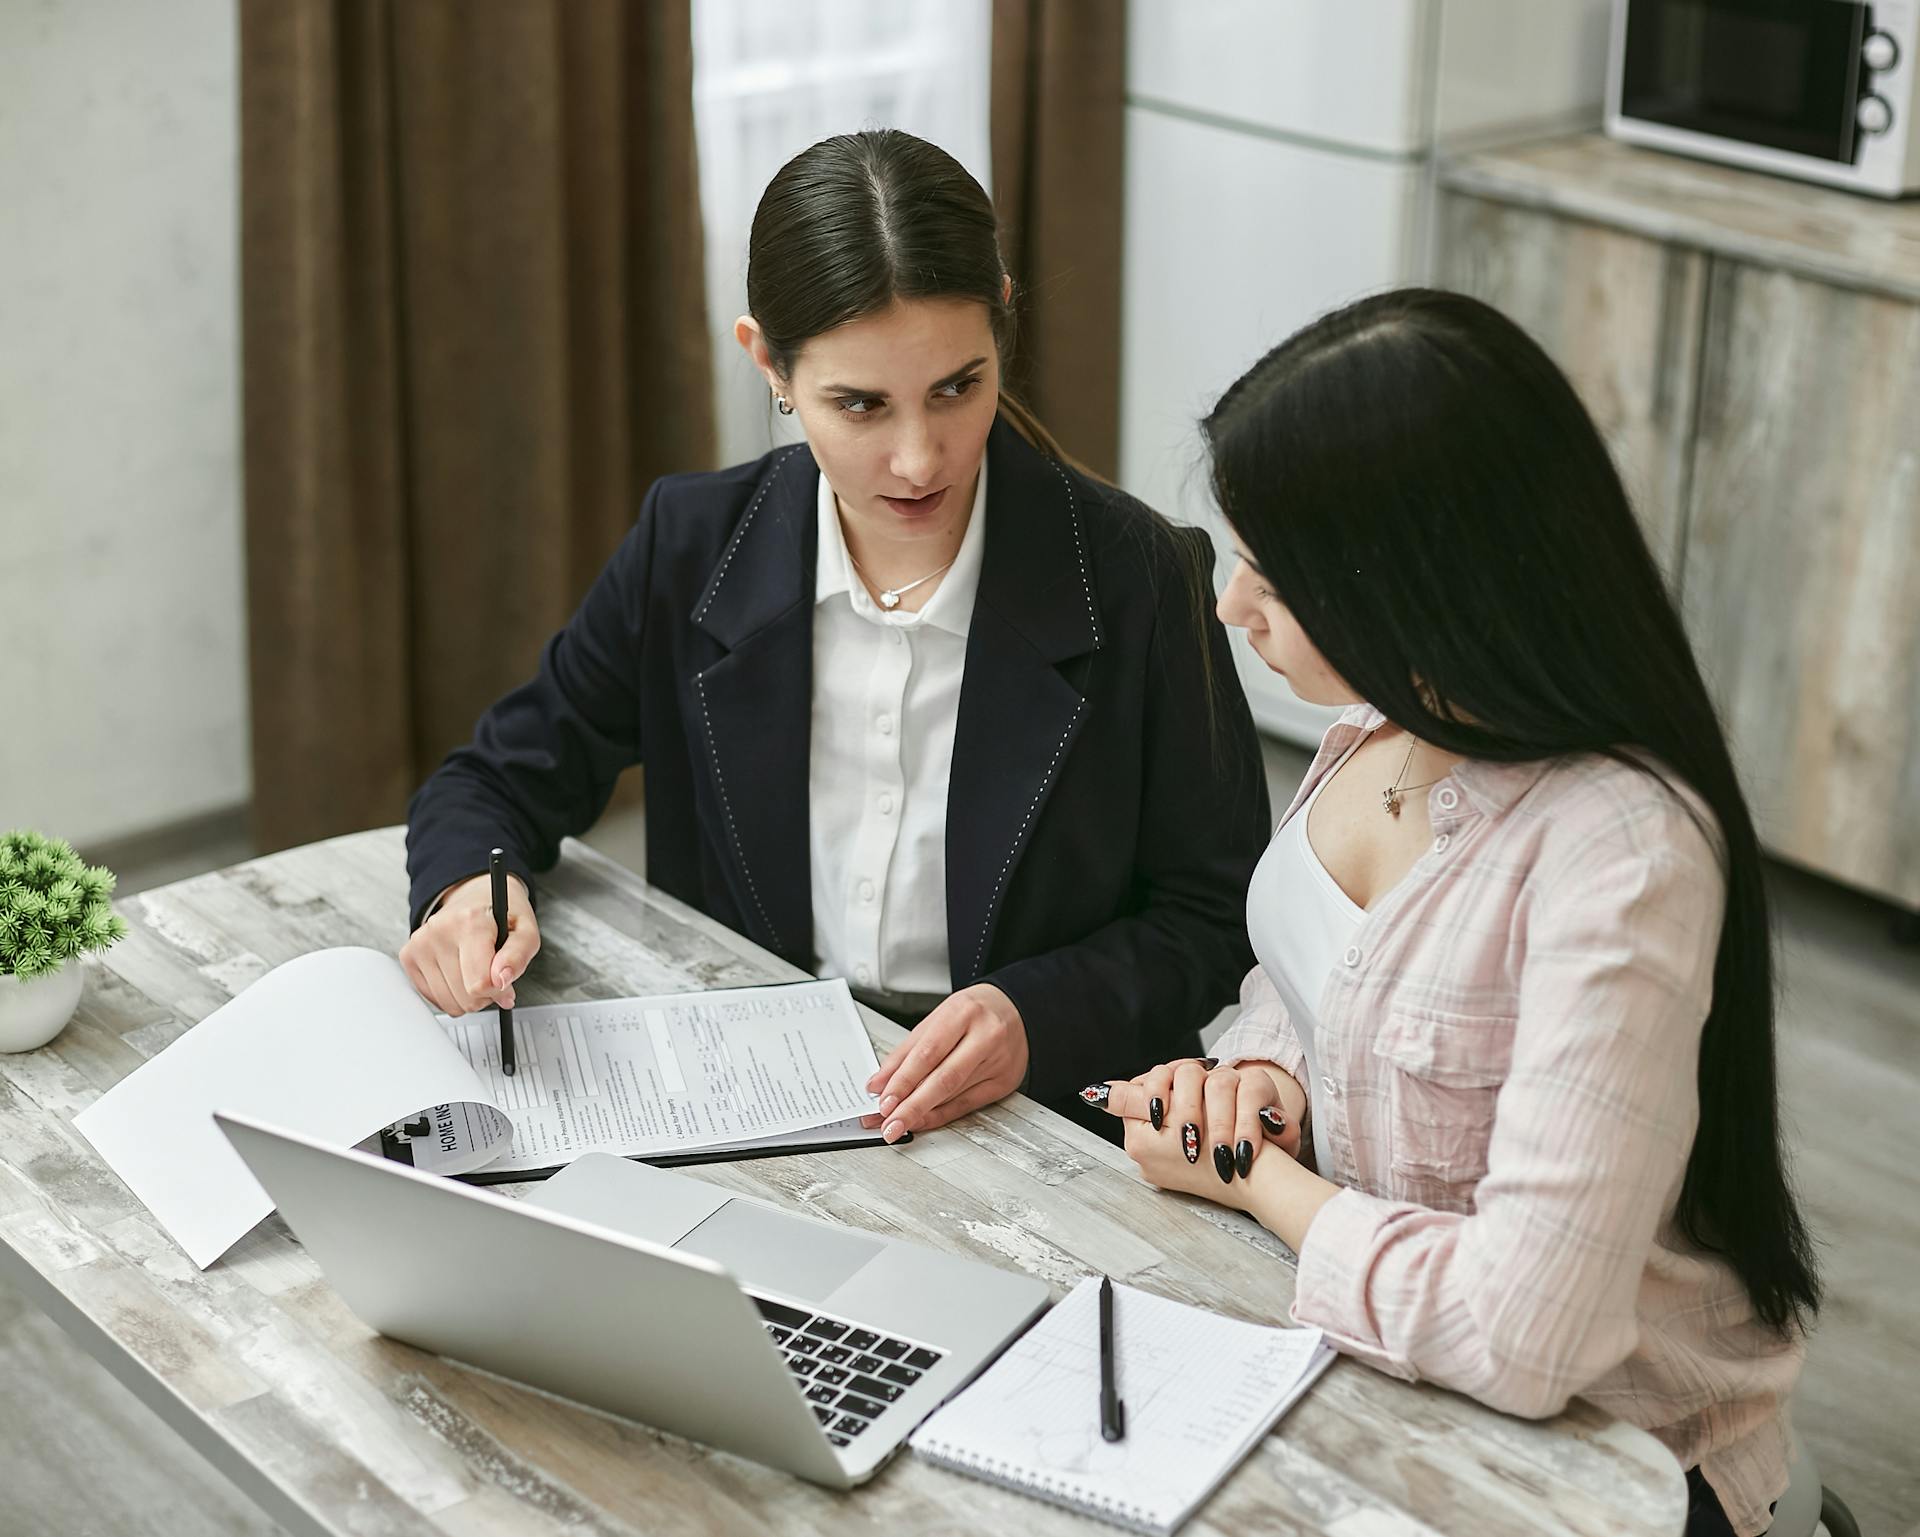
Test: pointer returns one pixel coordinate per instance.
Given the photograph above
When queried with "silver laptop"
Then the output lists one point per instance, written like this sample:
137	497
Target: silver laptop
807	1346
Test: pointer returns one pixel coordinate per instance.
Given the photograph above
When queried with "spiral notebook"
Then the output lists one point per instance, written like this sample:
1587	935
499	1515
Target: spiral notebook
1201	1390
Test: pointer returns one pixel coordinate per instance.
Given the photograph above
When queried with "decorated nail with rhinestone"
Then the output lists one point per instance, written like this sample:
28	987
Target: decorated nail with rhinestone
1095	1094
1190	1142
1274	1122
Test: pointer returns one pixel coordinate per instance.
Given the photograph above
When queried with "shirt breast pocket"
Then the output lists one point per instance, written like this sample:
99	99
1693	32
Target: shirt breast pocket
1441	1073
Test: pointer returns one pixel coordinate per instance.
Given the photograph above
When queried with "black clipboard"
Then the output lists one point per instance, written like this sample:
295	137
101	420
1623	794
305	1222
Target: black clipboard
400	1152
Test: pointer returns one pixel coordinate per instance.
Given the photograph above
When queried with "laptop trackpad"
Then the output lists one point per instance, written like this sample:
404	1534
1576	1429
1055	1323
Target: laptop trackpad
784	1254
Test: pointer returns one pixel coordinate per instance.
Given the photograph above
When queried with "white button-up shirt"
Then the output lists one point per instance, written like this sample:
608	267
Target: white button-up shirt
886	694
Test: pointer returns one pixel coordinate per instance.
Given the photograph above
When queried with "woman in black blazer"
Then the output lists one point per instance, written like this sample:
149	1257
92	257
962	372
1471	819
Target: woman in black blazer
1003	783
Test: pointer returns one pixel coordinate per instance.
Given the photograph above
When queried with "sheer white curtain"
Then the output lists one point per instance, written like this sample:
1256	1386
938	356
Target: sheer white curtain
771	77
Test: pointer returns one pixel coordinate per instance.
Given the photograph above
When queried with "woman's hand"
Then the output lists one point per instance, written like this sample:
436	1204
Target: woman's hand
1215	1118
450	958
968	1052
1179	1119
1163	1164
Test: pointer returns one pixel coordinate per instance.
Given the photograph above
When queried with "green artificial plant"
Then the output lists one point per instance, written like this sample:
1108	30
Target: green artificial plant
52	905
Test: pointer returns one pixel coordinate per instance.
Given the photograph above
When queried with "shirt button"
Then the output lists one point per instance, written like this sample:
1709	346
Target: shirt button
1352	957
863	975
899	639
1440	843
886	805
866	891
1446	797
885	724
1329	1085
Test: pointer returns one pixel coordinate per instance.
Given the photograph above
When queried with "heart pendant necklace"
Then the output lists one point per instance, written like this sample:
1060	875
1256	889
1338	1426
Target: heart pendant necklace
890	596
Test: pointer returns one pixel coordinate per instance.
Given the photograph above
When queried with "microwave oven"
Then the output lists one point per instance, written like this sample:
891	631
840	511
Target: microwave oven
1818	89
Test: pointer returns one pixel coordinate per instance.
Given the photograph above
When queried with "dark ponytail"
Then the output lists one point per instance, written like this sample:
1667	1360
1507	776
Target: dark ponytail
856	222
1422	488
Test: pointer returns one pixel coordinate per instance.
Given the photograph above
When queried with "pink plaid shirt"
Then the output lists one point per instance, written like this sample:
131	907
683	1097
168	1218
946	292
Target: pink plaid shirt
1507	1056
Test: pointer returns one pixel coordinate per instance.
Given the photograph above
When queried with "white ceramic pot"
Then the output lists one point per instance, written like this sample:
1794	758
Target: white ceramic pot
33	1013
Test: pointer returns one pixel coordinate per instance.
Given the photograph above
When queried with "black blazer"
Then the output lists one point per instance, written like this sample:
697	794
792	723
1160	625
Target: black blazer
1104	812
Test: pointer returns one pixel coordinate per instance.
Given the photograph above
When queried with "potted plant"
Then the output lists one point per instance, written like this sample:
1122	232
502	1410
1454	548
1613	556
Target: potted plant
53	910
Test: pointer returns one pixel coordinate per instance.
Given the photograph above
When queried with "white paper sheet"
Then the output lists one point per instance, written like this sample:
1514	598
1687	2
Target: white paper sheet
337	1045
653	1075
1200	1391
321	1045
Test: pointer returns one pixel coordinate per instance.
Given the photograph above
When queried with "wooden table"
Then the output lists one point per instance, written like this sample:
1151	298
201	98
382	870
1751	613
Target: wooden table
334	1430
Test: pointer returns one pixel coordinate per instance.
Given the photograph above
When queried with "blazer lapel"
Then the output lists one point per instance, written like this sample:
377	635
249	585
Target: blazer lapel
755	703
1018	714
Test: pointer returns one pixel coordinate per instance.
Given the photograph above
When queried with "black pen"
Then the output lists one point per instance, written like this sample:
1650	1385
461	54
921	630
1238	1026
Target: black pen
1113	1413
497	868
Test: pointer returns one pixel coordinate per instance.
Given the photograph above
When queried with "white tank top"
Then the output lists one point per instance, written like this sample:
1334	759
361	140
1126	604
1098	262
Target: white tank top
1301	922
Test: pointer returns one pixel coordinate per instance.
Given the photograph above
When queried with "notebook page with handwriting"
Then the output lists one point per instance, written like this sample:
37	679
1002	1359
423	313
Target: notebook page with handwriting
1200	1392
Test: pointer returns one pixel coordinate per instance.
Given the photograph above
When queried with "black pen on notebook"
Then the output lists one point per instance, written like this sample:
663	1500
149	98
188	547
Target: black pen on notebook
497	868
1113	1413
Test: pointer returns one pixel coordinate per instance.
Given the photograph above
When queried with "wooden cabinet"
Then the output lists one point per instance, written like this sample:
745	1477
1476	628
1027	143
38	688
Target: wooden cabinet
1751	351
1802	569
1620	313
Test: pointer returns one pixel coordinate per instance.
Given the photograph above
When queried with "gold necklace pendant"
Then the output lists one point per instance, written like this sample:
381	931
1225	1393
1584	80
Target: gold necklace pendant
1390	797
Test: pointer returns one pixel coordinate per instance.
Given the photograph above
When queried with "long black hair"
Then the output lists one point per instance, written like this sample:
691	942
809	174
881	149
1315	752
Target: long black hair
1422	488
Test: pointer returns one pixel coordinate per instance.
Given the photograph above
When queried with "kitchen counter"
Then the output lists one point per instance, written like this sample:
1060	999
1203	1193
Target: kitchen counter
1843	238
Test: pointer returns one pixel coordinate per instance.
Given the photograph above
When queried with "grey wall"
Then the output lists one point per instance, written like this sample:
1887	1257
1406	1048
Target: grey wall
122	655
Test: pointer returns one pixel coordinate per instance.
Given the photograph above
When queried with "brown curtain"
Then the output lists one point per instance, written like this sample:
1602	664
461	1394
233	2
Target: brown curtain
473	331
1058	126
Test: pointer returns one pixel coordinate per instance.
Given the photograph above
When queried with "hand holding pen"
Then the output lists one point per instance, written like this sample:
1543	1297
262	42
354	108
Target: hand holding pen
454	958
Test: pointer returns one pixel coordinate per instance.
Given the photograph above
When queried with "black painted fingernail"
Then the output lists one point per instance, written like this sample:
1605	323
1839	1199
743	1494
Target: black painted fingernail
1223	1162
1157	1111
1096	1093
1190	1142
1273	1120
1243	1158
1209	1063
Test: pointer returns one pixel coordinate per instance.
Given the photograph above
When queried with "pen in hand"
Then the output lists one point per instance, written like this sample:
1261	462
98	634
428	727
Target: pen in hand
1113	1413
497	868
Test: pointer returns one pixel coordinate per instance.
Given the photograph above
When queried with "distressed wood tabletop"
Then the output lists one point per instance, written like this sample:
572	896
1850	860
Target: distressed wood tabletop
335	1430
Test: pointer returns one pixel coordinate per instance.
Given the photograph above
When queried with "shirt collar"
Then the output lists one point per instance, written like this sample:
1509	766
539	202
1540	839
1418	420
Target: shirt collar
951	606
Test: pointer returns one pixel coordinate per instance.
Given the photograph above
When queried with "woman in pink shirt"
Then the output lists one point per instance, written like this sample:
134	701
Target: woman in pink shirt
1504	1077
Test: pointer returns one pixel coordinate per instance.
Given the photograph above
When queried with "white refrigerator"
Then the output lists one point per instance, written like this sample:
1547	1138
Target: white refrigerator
1279	163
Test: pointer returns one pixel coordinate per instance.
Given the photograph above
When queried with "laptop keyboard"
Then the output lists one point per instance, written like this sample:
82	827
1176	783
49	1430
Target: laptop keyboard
849	1375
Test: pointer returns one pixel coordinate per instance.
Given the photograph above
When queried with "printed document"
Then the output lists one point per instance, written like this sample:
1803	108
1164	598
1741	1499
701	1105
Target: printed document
337	1045
657	1075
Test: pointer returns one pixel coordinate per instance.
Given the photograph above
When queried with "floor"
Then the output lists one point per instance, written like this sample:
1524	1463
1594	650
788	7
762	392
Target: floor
1850	1063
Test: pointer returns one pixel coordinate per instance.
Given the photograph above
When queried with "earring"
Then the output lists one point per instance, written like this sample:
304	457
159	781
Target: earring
781	402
